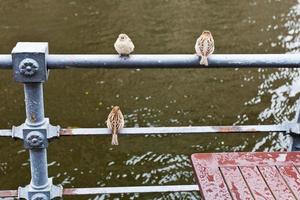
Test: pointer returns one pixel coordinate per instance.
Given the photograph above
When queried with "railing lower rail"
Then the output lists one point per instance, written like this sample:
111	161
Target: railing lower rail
168	130
115	190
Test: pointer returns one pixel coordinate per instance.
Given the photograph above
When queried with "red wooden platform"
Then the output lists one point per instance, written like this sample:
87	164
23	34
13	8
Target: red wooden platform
251	175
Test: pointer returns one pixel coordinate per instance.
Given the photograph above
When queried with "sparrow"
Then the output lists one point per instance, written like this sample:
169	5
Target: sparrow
205	46
115	122
123	45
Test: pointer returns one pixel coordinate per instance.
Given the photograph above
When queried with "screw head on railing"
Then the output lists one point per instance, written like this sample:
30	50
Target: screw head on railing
35	139
39	196
28	67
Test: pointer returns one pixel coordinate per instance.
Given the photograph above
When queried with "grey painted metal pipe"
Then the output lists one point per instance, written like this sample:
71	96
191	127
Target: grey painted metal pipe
172	61
170	130
62	61
116	190
38	166
35	116
132	189
5	61
34	102
5	133
174	130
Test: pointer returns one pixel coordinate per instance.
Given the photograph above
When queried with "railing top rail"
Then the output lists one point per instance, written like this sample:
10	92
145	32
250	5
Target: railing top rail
64	61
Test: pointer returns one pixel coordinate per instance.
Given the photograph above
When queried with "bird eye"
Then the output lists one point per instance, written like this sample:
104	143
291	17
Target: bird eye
122	37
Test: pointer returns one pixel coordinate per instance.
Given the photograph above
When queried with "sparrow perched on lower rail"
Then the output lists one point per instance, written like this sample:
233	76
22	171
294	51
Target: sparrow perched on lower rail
115	122
123	45
205	46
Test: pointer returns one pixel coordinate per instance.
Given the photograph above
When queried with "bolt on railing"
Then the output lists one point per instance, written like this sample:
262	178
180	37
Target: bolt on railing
31	62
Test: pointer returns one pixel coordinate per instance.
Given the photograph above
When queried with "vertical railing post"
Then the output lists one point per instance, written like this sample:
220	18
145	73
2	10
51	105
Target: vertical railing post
295	140
30	68
294	133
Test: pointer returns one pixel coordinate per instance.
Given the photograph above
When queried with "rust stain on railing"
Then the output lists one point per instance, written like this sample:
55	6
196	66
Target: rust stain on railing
226	129
67	131
8	193
234	129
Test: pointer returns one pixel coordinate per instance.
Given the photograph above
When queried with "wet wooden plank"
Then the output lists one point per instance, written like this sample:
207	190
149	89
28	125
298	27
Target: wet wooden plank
236	183
276	183
211	183
249	158
292	178
256	183
267	175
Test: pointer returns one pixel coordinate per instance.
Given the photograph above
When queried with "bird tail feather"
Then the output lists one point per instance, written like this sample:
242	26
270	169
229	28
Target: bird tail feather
114	140
204	61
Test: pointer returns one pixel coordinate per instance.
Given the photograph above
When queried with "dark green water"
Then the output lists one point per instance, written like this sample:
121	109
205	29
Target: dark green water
82	98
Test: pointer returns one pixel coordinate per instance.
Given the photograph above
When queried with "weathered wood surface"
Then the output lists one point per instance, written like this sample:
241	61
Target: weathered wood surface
248	175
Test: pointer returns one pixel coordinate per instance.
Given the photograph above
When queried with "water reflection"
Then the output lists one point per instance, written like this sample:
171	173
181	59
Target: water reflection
280	87
290	38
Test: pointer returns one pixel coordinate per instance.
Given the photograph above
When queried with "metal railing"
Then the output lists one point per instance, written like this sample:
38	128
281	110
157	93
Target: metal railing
31	62
62	61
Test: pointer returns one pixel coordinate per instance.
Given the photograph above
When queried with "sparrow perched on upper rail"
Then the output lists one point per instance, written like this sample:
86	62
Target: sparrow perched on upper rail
205	46
123	45
115	122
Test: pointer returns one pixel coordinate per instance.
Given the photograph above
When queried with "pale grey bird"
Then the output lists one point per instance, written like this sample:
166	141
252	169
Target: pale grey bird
123	45
205	46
